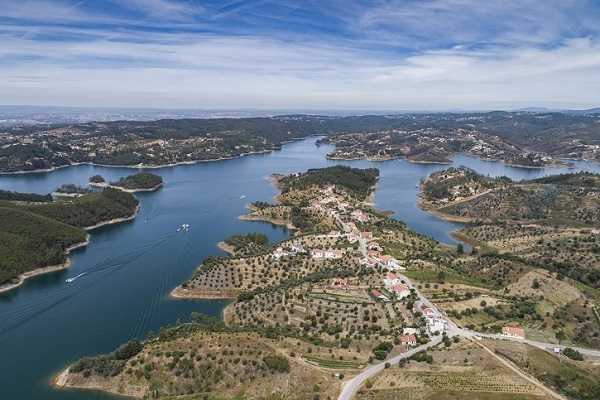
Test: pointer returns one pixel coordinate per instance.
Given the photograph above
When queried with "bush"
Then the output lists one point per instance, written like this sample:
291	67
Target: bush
277	363
573	354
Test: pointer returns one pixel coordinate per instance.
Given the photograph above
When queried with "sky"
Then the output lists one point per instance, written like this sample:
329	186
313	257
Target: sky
322	54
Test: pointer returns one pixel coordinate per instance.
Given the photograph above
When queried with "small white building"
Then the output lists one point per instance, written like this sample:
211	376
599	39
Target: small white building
333	253
518	333
317	253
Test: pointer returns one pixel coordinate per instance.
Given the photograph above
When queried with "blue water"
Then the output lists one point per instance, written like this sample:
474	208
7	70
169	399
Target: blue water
128	270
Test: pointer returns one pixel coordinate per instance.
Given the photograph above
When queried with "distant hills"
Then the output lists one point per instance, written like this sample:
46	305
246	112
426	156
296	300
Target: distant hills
16	115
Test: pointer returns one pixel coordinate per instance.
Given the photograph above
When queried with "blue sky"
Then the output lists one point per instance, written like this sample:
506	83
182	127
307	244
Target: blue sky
392	54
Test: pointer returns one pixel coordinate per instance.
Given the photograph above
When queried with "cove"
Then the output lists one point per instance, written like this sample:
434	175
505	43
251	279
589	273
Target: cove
128	270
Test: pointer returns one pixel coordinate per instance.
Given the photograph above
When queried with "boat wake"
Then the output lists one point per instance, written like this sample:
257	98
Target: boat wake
69	280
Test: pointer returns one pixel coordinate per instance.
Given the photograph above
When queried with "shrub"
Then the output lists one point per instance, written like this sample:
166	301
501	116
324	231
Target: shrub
573	354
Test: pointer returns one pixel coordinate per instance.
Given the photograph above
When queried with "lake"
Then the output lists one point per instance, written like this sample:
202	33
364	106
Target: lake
128	270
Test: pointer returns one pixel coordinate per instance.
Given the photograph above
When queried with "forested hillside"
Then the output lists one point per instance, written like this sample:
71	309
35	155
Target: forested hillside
143	180
357	181
521	138
37	235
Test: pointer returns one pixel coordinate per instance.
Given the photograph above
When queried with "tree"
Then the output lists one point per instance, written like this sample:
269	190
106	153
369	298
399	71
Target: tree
460	249
560	336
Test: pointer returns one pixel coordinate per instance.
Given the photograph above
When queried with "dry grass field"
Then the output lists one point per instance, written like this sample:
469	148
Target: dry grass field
463	370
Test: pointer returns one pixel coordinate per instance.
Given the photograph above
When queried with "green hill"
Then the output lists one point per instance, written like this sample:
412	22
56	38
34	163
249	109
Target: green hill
34	236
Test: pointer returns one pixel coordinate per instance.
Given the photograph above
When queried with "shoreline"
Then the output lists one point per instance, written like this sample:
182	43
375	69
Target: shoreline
115	220
53	268
98	384
278	222
138	166
226	248
106	184
440	215
215	294
44	270
191	162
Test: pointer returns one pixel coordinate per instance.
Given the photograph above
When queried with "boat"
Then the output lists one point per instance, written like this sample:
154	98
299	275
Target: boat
69	280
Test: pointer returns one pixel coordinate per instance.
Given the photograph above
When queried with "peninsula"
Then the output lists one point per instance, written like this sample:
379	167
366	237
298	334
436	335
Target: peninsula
354	290
37	233
141	182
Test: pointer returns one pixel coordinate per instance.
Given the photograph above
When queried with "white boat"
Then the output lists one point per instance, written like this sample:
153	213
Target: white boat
69	280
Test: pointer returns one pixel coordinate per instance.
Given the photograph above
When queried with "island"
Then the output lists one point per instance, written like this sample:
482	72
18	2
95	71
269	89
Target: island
70	190
529	139
37	232
357	303
140	182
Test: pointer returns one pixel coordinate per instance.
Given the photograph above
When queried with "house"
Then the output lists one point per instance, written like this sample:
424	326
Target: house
317	253
373	253
401	291
427	312
279	252
408	339
391	280
366	235
387	260
298	248
378	295
332	254
366	262
513	332
373	246
435	325
339	283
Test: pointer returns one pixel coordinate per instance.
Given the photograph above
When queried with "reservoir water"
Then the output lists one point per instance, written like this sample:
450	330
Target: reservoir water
124	276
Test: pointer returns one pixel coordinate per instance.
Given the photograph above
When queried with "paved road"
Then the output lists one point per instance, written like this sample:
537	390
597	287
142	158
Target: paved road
541	345
353	384
452	329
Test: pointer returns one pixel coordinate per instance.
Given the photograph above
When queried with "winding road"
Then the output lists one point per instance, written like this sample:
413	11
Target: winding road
452	329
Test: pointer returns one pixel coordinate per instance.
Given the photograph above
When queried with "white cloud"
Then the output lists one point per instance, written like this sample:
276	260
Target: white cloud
463	58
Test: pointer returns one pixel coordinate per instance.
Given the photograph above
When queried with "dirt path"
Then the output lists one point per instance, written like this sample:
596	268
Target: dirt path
528	378
287	312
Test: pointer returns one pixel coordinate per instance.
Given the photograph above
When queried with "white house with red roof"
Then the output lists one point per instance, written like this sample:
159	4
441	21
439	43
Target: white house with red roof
518	333
279	252
408	340
373	253
378	295
366	262
339	283
427	312
387	260
373	246
401	291
391	280
366	235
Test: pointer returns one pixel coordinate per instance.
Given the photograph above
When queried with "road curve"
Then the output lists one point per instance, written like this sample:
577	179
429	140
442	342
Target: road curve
351	386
